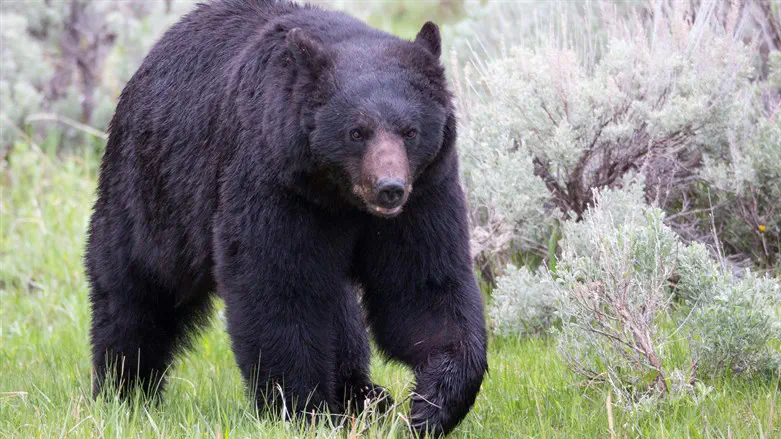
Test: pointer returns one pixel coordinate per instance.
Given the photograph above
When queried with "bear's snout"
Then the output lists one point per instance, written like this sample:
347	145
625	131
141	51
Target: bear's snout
385	184
390	193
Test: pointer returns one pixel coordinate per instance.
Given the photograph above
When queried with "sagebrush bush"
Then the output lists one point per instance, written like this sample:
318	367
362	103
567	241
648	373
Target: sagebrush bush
613	287
738	330
22	77
620	269
698	276
675	101
745	182
63	64
508	202
523	303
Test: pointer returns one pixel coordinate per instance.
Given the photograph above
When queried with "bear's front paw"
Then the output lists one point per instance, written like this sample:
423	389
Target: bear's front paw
369	396
446	389
427	416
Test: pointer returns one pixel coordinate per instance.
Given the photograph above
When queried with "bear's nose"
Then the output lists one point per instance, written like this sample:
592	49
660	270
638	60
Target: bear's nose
390	193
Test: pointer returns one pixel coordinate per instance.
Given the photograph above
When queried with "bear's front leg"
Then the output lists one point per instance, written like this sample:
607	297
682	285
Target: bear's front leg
281	267
354	389
424	305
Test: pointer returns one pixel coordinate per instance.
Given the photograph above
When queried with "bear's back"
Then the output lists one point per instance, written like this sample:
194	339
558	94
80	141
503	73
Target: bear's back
159	177
173	102
157	188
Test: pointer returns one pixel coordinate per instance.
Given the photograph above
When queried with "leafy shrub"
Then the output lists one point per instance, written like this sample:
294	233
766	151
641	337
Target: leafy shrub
746	184
619	270
612	280
508	202
698	276
739	329
64	63
655	93
23	77
523	303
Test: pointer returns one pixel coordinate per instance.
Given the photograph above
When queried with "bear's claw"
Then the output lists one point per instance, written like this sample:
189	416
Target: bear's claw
369	396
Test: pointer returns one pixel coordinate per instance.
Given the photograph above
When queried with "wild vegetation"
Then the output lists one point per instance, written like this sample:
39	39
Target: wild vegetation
622	163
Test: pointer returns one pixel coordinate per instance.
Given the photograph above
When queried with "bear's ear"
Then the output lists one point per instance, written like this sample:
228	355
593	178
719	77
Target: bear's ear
307	52
429	38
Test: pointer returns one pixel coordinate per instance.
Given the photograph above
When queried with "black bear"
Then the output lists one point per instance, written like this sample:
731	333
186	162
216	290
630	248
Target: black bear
280	155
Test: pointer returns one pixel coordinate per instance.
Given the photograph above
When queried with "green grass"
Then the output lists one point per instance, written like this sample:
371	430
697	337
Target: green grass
45	367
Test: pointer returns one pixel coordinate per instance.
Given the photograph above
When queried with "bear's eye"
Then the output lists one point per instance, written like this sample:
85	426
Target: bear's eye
410	134
356	134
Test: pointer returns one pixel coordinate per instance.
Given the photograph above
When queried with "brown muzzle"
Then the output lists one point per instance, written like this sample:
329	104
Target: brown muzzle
384	182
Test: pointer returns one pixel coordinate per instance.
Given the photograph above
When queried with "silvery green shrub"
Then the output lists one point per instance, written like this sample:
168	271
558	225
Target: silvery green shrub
545	122
619	271
698	277
523	303
745	181
738	330
612	282
22	75
41	85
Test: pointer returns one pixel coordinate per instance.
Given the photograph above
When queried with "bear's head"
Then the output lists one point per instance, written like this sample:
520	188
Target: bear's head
377	118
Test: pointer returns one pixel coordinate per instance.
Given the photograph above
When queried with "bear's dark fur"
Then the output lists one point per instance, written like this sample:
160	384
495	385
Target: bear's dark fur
280	155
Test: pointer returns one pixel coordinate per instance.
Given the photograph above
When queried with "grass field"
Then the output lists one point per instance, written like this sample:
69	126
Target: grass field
45	366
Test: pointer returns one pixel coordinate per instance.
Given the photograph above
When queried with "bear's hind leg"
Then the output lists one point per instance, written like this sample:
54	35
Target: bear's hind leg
136	329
